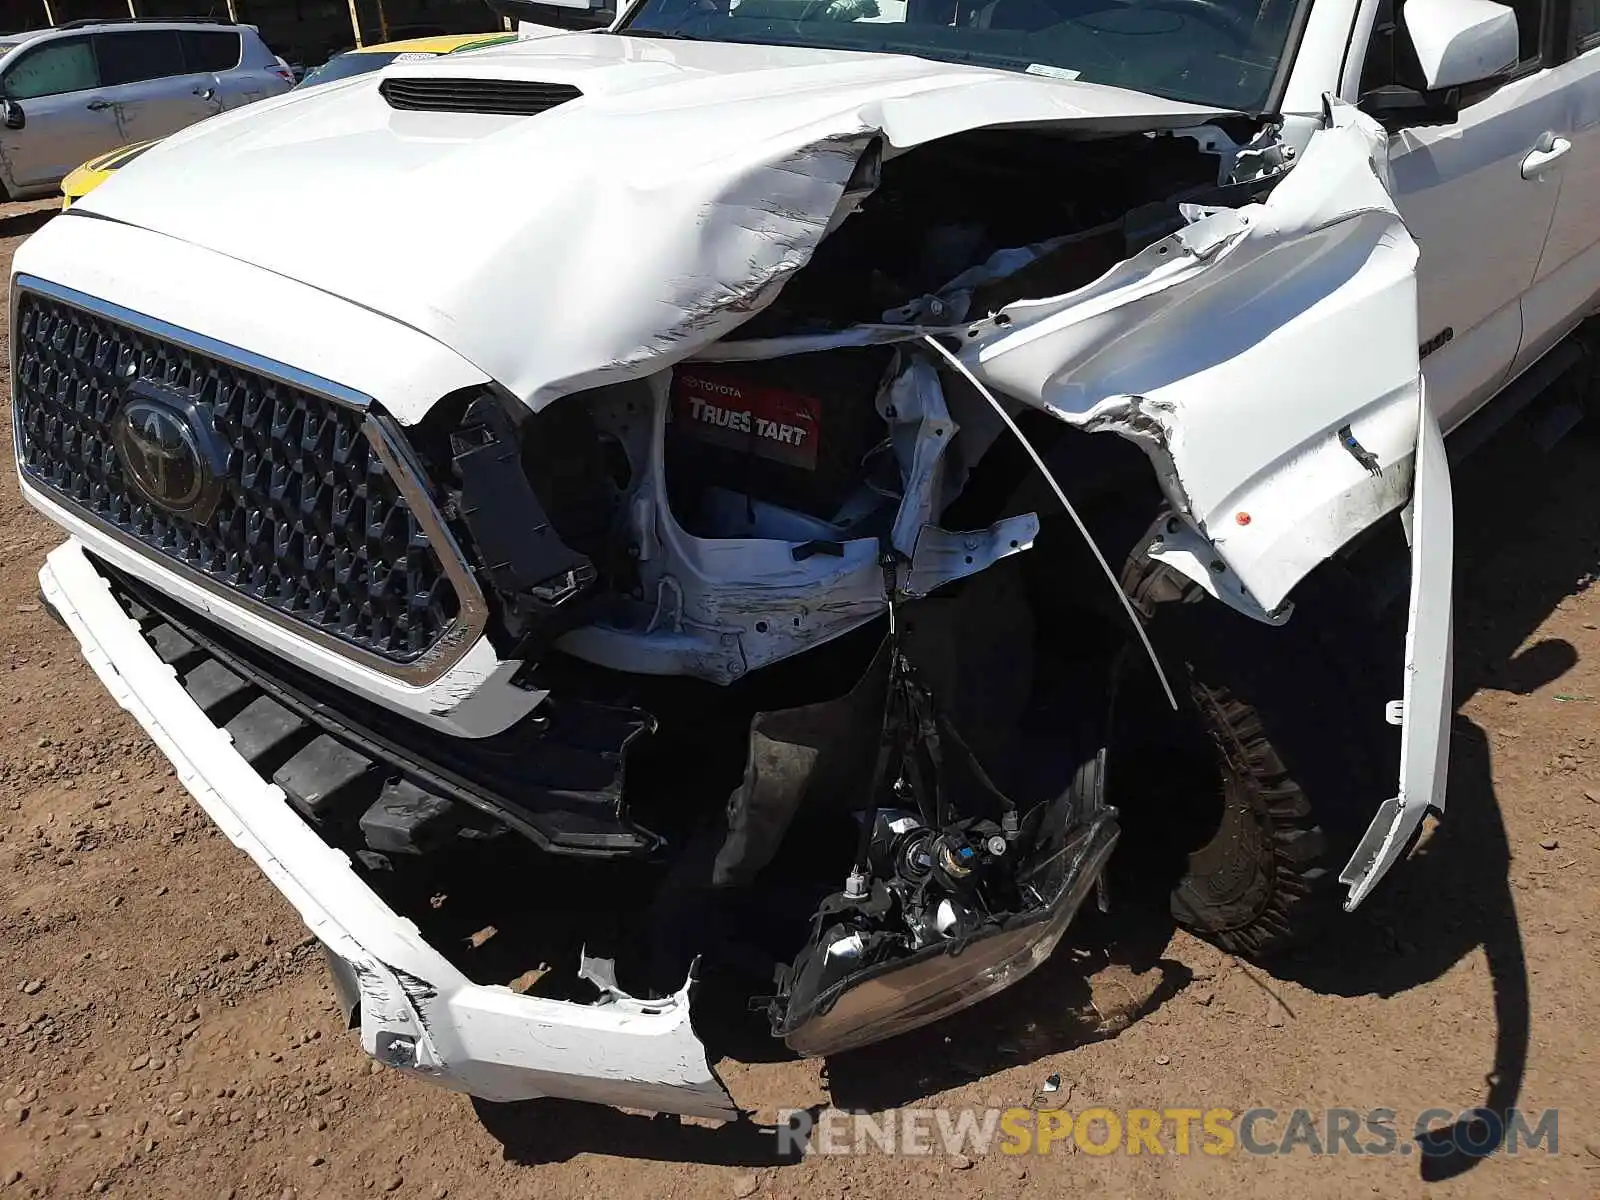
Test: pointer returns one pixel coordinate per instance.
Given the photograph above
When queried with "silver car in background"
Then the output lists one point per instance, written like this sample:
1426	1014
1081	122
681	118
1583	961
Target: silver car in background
77	90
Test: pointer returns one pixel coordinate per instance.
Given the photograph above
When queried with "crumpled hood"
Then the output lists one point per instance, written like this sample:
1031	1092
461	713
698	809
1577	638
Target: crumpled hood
599	240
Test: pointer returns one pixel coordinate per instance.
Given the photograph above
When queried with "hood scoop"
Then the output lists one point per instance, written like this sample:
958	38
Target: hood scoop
504	97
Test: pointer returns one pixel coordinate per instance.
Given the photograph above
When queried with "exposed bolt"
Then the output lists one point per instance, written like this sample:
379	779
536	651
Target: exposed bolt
397	1051
1173	524
1217	567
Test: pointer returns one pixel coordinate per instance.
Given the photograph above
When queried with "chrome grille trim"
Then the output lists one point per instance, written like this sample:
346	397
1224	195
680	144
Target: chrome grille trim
457	636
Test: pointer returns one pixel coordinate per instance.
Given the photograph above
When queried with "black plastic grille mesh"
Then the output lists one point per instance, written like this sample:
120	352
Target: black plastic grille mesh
506	97
310	523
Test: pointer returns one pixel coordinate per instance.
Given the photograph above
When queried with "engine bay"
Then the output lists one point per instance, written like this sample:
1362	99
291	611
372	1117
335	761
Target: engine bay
823	660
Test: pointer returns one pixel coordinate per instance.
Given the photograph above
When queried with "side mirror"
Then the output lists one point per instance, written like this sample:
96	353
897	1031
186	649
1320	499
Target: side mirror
1396	107
14	116
1461	41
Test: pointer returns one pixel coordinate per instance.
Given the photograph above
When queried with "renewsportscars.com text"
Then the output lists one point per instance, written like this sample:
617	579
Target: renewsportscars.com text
1100	1130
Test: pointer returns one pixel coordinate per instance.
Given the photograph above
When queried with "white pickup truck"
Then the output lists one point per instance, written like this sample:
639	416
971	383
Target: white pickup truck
681	499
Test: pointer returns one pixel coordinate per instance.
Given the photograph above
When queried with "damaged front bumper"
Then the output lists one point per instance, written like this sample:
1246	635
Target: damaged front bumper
417	1012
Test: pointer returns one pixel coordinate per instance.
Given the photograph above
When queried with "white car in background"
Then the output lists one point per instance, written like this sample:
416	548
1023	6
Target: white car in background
695	496
75	91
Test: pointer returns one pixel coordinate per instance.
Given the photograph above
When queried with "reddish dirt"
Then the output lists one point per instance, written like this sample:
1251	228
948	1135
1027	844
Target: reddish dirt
166	1029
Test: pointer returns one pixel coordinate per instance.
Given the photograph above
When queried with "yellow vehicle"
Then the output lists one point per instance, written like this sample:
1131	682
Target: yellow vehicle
96	171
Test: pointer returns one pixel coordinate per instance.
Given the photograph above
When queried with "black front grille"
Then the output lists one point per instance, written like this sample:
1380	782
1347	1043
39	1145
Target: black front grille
308	521
506	97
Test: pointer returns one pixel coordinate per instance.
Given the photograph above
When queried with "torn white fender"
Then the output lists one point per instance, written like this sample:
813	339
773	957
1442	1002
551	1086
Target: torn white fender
1173	541
1264	357
1428	697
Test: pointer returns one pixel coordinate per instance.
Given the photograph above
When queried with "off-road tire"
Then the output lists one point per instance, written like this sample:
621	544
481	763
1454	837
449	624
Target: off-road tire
1291	720
1263	884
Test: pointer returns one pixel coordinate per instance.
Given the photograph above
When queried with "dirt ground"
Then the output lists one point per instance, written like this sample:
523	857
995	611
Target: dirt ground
166	1029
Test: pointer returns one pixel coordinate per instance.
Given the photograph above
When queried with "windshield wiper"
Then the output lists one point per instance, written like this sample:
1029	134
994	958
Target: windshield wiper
677	35
951	54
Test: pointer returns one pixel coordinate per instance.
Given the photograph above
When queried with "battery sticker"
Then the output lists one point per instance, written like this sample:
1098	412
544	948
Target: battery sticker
738	414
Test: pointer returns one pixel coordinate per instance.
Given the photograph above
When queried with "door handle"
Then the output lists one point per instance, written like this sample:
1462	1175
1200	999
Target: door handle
97	105
205	93
1543	157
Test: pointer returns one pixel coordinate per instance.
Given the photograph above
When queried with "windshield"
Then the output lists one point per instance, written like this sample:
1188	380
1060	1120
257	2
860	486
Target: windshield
1220	52
343	66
